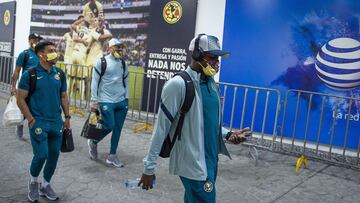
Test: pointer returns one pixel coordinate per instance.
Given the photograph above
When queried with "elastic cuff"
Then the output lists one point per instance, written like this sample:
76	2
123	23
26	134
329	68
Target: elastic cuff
149	172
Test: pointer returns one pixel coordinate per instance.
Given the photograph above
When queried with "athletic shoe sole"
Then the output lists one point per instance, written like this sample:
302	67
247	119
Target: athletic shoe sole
112	163
31	200
49	198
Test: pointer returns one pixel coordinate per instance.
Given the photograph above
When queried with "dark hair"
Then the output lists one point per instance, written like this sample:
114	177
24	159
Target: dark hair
41	46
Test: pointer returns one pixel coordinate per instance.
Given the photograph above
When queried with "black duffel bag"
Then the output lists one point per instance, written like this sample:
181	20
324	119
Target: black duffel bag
91	131
67	144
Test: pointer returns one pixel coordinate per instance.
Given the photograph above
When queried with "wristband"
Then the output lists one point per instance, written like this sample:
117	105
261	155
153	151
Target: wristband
67	117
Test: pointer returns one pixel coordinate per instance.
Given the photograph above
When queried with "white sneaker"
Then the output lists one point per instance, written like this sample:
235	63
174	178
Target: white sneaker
33	194
92	150
113	160
48	192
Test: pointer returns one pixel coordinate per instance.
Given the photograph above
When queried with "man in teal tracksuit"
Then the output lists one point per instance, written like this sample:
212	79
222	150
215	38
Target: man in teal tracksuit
194	157
25	60
43	112
110	96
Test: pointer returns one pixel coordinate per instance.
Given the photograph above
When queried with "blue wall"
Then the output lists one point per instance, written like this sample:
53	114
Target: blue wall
275	44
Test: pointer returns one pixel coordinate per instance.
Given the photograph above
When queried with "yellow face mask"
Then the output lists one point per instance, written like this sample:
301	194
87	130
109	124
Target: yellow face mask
33	45
51	56
116	54
208	70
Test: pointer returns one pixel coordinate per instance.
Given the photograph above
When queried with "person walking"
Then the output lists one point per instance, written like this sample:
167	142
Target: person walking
25	60
194	156
40	97
109	96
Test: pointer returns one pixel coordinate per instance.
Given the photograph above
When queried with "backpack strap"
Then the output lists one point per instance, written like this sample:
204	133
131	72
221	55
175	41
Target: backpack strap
168	144
26	58
102	72
124	68
32	83
32	80
189	98
103	67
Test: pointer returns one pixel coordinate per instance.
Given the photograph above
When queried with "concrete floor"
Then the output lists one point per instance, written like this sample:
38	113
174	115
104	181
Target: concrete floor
78	179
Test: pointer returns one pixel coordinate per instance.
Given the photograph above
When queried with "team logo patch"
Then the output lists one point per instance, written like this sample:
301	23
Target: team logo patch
57	76
7	17
38	131
172	12
208	186
105	108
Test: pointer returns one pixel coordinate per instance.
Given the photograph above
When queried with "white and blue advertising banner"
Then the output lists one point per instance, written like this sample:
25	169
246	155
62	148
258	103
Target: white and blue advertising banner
303	45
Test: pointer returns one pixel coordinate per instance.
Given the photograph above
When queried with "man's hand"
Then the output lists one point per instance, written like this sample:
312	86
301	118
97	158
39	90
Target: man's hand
31	122
13	90
94	107
67	123
147	181
239	136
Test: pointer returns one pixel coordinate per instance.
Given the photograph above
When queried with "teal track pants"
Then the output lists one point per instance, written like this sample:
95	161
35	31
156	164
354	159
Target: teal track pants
195	193
46	138
113	116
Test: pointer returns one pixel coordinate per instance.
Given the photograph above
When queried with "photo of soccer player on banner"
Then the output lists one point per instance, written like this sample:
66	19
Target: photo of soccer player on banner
81	30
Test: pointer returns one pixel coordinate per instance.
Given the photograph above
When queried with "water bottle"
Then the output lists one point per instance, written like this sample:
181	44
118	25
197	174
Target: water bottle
132	183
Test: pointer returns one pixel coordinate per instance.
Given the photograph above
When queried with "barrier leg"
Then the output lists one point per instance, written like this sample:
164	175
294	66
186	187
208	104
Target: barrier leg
254	154
138	127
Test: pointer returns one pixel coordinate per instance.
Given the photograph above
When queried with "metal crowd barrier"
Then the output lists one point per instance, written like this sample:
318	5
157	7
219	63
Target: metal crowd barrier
309	148
78	79
255	107
6	70
143	107
255	103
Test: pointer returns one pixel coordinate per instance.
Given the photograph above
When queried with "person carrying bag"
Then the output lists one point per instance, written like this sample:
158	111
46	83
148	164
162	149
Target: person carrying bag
92	128
12	115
